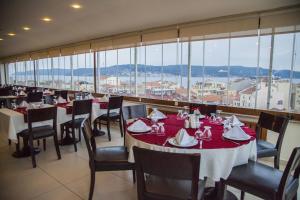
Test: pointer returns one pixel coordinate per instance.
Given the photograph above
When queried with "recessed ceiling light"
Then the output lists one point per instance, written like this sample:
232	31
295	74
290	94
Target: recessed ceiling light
26	28
76	6
11	34
1	39
46	19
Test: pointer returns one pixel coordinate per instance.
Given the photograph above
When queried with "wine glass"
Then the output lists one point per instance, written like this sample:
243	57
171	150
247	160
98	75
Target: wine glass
161	129
154	126
207	133
179	114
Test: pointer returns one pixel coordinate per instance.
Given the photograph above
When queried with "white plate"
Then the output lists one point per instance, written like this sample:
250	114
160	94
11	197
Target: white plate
158	118
173	142
246	137
140	131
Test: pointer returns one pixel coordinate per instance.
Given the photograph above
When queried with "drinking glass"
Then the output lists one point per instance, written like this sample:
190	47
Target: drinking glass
161	129
179	114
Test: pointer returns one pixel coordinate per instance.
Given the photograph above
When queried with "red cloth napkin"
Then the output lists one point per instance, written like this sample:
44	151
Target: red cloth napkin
103	105
173	125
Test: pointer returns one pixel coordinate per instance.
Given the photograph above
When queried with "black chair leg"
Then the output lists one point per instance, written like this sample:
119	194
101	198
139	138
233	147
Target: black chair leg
108	130
276	161
121	127
44	144
242	195
57	147
92	184
133	175
74	139
32	152
61	132
79	134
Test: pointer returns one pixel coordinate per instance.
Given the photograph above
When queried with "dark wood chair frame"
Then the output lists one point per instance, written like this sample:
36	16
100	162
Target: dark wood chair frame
114	103
106	164
277	124
288	184
166	165
80	107
40	115
205	109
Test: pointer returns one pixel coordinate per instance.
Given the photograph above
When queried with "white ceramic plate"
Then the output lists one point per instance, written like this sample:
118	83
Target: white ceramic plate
173	142
139	131
244	138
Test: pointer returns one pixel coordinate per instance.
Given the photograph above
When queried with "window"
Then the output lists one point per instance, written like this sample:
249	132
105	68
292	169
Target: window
20	73
126	71
83	72
29	73
44	72
11	68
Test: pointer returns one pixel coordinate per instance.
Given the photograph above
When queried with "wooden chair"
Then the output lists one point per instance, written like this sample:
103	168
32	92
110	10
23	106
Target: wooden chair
170	175
267	182
114	113
276	124
132	112
205	109
41	132
34	97
113	158
62	93
80	107
31	89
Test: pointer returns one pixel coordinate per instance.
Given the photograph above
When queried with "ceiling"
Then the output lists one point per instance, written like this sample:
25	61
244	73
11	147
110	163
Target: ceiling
98	18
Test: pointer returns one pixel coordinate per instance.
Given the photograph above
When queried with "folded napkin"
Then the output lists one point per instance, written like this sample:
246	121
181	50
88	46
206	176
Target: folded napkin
23	104
183	138
236	133
61	100
90	96
235	121
104	99
34	105
157	114
197	112
22	93
138	126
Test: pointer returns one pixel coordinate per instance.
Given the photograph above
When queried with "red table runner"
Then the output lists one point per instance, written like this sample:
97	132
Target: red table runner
172	125
103	105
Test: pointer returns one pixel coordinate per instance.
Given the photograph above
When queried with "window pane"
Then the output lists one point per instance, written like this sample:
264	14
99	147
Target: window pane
11	67
141	75
295	96
282	61
242	72
29	73
153	73
126	71
197	68
215	71
44	75
83	72
20	73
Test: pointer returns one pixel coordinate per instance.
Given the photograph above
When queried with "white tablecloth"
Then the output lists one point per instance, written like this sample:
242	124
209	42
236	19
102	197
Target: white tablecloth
12	122
214	164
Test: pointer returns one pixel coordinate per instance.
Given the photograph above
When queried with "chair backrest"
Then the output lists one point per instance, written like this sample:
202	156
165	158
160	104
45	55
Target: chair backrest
81	107
49	99
4	92
166	165
205	109
273	123
42	114
291	176
115	102
31	89
89	138
34	97
62	93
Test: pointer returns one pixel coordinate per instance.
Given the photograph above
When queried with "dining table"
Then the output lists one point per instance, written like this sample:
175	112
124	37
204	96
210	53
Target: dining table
14	121
218	154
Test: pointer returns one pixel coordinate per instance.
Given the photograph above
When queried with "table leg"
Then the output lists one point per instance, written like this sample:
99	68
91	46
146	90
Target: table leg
218	192
67	140
25	152
96	131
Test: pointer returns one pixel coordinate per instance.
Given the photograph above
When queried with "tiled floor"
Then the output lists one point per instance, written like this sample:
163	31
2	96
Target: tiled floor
65	179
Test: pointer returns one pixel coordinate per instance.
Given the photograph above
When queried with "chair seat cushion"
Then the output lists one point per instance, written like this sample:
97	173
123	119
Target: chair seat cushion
112	158
177	189
39	132
265	149
77	123
256	178
112	115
